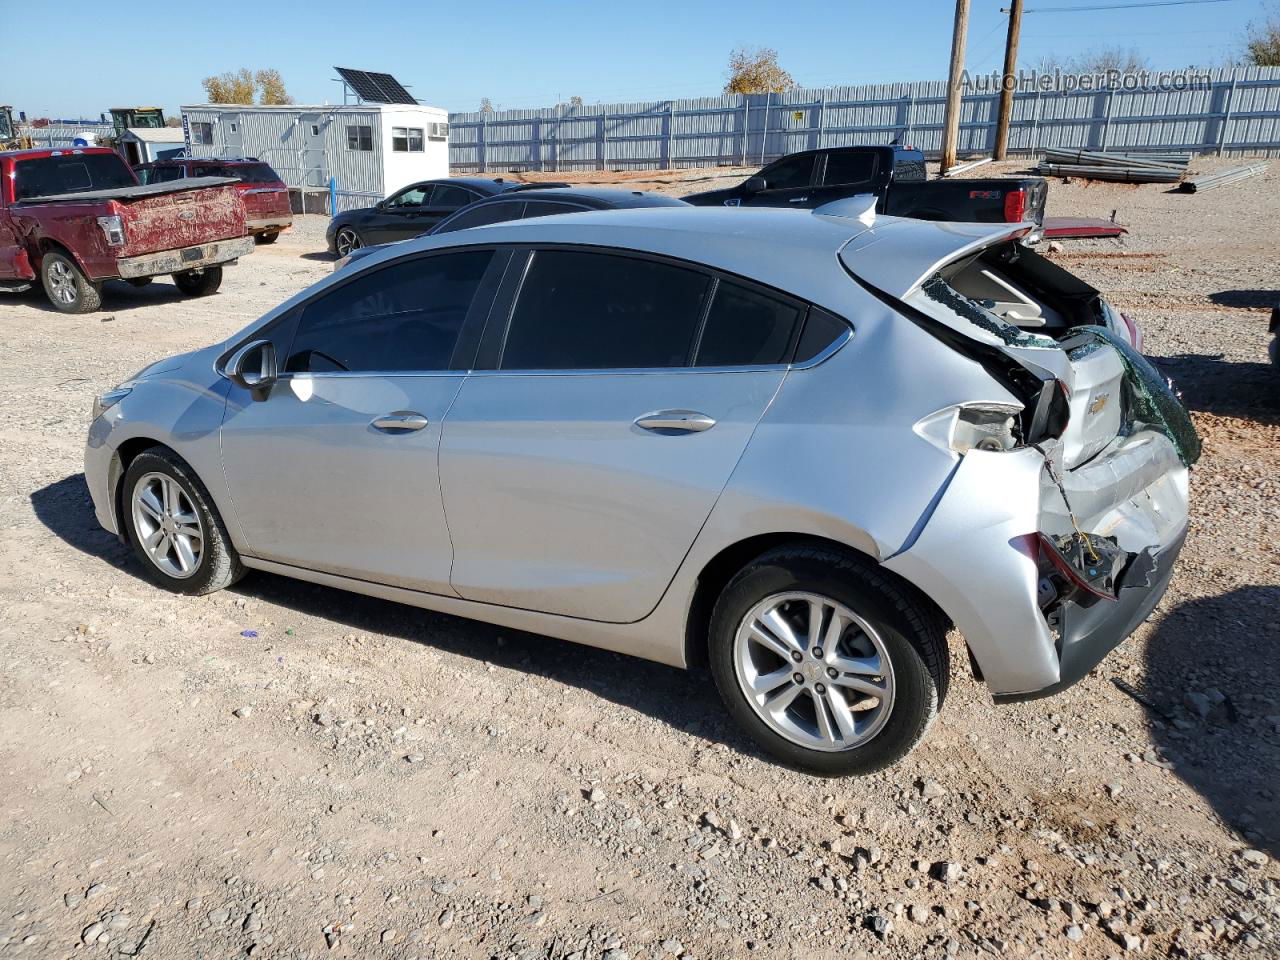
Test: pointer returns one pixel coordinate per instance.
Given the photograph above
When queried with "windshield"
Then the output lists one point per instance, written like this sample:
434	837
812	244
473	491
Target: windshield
244	172
71	173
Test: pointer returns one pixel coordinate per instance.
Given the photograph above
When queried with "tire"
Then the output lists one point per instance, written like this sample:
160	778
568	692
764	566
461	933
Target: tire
213	561
894	622
265	238
140	281
66	287
346	240
199	283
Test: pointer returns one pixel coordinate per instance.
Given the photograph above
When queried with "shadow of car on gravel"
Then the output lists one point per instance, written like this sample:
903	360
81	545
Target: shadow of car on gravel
1246	298
118	296
1212	676
684	699
1212	384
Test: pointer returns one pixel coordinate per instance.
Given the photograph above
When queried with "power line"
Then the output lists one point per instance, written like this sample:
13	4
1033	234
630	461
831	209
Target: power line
1119	6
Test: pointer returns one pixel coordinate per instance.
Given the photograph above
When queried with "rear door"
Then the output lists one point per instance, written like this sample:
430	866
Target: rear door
336	470
577	472
849	173
446	199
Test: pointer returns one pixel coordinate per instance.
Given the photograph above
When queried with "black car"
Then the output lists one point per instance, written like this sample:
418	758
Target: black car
411	212
527	200
895	175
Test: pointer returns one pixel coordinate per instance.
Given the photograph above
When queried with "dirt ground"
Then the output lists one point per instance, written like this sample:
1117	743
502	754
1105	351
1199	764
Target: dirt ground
283	770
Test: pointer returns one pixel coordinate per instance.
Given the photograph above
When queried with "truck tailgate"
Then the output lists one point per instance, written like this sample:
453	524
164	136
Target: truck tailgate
181	219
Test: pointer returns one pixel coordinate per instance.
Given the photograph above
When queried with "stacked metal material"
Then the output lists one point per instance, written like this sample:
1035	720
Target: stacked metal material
1222	178
1122	167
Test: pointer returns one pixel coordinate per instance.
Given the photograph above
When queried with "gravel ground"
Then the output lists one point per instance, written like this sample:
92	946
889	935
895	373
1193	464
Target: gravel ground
283	770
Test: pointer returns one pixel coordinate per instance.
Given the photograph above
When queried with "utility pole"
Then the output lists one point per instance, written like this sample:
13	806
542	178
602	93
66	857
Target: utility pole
951	120
1008	81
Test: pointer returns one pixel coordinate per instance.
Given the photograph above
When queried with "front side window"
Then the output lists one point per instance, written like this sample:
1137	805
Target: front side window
847	168
745	327
789	172
482	213
202	133
406	139
413	197
405	317
592	311
359	137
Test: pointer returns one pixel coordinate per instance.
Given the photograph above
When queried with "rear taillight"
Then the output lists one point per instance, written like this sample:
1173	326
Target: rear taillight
113	230
1051	556
1015	206
1135	335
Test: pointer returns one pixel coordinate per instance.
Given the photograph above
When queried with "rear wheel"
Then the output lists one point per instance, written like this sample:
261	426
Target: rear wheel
266	237
830	664
346	241
66	287
199	283
173	526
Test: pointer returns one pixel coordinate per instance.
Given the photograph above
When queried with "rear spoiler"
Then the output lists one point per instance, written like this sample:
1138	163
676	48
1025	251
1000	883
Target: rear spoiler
922	248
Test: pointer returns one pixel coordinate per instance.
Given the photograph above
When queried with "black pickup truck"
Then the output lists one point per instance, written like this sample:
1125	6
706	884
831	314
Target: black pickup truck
896	175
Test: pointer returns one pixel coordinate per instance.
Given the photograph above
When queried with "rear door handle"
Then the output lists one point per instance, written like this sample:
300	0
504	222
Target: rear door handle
799	199
402	421
680	421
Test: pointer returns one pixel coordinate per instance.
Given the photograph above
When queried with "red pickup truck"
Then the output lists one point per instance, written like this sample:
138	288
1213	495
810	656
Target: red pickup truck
78	217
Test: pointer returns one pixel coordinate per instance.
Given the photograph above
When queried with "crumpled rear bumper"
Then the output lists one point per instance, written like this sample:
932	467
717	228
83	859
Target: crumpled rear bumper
977	557
185	258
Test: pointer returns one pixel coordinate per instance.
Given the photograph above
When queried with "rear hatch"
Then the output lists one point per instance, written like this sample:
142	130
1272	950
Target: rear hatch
1053	338
181	219
264	193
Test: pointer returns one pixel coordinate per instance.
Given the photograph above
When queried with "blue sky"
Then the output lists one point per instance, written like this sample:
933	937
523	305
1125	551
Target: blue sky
532	54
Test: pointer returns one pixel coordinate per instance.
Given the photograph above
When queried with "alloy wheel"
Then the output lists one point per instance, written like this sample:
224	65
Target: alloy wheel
167	524
346	241
814	671
62	282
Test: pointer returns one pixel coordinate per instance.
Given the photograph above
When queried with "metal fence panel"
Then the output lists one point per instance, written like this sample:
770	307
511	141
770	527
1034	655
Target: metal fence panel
1233	111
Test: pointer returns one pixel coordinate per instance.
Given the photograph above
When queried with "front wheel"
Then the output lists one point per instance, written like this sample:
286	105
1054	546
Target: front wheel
173	526
199	283
265	238
66	287
830	664
346	241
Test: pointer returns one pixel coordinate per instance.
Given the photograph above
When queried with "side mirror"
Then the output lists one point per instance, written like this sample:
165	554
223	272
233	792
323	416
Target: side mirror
380	205
755	185
253	367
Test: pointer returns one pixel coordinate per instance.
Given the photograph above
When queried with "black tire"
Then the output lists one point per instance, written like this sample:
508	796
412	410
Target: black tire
199	283
911	628
66	287
266	237
218	565
346	240
140	281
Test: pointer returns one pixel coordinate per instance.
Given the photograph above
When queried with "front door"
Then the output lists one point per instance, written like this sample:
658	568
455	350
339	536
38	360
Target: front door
577	474
788	183
402	215
336	470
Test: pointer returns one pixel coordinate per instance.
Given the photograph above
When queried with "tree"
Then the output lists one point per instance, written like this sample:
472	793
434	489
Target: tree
1100	60
173	121
1262	49
486	105
575	101
271	87
756	70
230	87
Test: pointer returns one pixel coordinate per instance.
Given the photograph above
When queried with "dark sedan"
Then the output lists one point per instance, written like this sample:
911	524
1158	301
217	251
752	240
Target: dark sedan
526	200
410	212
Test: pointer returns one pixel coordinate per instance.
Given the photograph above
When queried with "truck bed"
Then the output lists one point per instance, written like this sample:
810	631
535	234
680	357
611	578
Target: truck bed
132	193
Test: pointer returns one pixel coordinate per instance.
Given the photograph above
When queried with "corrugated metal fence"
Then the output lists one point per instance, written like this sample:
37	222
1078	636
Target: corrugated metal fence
1229	111
65	135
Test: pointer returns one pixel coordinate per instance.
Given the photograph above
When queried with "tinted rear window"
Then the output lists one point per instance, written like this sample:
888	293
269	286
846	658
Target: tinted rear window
549	208
244	172
482	213
849	168
591	311
71	173
745	327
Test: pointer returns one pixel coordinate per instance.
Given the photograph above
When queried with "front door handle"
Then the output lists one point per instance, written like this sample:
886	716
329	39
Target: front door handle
400	421
675	421
799	199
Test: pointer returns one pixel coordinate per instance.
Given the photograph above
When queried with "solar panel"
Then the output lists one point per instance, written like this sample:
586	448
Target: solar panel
375	87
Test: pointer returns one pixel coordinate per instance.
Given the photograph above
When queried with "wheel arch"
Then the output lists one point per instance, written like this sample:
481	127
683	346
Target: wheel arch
47	245
721	568
124	455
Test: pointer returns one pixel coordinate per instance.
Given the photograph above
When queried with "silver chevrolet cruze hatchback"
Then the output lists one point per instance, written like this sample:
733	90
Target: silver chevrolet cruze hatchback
796	446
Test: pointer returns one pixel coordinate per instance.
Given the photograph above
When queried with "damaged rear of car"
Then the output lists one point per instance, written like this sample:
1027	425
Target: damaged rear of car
1057	532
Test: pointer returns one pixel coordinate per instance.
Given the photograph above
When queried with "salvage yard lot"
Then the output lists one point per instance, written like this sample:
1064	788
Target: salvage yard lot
293	771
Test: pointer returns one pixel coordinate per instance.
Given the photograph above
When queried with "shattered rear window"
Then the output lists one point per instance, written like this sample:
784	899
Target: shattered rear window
938	290
1149	398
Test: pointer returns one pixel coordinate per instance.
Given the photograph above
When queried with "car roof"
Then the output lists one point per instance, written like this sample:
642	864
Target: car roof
604	196
491	184
38	152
